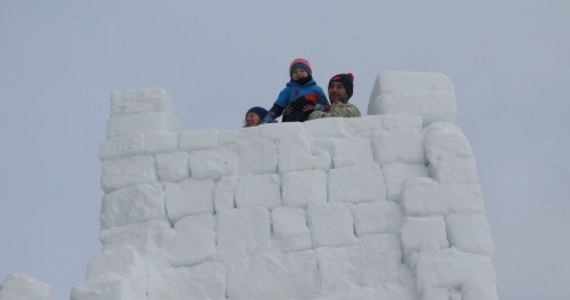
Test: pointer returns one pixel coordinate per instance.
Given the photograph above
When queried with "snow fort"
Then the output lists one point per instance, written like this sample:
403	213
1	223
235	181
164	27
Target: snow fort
385	206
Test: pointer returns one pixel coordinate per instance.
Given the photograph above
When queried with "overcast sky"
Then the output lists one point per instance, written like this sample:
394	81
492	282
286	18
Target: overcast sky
61	59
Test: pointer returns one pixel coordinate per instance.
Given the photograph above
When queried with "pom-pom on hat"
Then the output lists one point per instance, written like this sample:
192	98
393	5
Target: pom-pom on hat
260	111
347	80
300	63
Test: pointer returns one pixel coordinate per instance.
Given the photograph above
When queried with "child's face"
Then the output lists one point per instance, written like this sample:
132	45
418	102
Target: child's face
252	119
299	73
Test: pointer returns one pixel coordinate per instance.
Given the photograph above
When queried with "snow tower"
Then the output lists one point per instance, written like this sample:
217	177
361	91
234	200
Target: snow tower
385	206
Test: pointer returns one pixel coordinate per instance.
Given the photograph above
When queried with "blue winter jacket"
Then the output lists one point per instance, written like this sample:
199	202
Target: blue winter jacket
293	90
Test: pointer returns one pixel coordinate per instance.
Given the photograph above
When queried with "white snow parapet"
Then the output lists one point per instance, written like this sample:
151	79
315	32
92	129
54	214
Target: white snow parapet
430	95
386	206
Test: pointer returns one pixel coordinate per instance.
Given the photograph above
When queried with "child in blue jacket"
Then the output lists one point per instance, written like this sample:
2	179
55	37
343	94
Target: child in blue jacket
300	91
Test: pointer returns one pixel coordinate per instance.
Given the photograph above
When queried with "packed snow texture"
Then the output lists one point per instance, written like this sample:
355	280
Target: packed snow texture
19	286
385	206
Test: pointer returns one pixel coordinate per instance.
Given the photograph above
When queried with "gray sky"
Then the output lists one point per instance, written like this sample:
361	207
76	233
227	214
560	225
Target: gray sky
60	60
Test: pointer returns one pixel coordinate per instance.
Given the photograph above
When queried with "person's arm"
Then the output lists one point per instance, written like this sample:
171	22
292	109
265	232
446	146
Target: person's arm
278	107
283	97
287	110
272	114
323	103
321	97
317	114
350	110
337	111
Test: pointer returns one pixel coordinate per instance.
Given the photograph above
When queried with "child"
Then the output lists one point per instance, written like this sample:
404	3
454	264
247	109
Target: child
254	116
298	92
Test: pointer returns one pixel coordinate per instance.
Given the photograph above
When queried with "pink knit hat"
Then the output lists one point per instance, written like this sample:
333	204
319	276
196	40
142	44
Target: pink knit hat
300	63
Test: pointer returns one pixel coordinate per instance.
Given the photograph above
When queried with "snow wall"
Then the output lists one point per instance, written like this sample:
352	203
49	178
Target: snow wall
385	206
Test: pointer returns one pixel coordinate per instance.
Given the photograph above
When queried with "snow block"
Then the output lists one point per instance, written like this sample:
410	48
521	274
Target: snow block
478	290
364	183
242	232
142	123
198	140
280	131
301	188
189	197
108	286
212	164
377	217
430	95
139	143
290	229
393	291
386	291
397	174
18	286
420	234
378	292
445	142
224	193
192	240
132	205
161	142
124	261
128	102
449	154
204	281
456	171
327	127
375	261
229	137
331	224
450	268
139	235
257	157
363	126
285	276
434	293
402	122
470	233
424	197
259	190
405	273
244	134
348	152
172	167
295	154
126	145
360	293
404	146
321	153
235	136
125	172
322	159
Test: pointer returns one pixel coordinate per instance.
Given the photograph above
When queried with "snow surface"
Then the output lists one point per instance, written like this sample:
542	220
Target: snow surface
385	206
19	286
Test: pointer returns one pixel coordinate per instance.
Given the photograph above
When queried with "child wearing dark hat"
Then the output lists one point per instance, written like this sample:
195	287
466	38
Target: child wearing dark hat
254	116
300	91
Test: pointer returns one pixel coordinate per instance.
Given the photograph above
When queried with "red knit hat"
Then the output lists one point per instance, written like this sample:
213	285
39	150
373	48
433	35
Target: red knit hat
300	63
